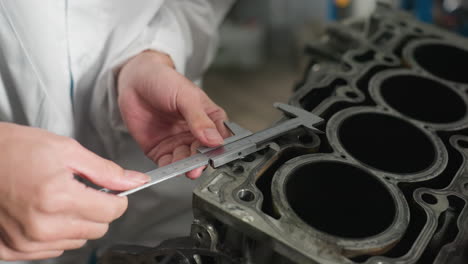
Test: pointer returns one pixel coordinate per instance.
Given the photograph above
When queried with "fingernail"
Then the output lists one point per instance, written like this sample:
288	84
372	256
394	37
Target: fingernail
136	177
213	135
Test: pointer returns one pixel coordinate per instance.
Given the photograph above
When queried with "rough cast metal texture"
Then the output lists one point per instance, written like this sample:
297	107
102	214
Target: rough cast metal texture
386	183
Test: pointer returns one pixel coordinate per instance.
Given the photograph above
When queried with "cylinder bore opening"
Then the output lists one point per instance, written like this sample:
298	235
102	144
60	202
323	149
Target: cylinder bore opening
386	143
423	99
444	61
340	199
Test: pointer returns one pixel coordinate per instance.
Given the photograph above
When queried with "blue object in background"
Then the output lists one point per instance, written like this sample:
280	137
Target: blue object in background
339	9
407	4
422	9
432	11
332	12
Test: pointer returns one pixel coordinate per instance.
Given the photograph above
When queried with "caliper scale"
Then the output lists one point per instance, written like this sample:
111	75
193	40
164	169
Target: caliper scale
242	143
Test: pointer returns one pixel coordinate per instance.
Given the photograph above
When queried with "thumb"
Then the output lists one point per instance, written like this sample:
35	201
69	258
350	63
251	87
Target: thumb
200	124
105	173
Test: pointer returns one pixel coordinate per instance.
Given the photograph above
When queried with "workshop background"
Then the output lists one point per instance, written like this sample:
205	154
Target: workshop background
261	45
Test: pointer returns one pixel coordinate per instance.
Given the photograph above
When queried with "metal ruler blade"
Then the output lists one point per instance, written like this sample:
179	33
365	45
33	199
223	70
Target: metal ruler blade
241	144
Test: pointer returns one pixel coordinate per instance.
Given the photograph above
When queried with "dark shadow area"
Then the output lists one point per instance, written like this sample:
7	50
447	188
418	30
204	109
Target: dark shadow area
423	99
264	181
386	143
445	61
340	199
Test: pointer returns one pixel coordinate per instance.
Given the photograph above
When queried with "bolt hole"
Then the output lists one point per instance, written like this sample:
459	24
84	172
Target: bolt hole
403	24
387	178
351	95
343	156
388	59
305	139
345	67
463	144
246	195
465	186
248	158
429	198
418	30
238	169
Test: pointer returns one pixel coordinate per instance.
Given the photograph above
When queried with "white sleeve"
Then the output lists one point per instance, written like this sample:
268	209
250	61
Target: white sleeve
185	30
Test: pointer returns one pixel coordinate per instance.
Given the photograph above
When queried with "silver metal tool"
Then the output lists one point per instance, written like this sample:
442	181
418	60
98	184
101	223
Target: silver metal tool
242	143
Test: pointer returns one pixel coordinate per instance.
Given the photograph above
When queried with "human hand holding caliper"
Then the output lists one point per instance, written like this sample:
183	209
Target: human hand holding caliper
44	210
241	144
167	114
170	118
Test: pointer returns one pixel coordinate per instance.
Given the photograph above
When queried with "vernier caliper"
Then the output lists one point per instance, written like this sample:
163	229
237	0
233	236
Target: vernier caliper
242	143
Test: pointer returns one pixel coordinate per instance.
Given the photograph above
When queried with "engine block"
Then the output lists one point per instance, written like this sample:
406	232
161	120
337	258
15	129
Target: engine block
387	181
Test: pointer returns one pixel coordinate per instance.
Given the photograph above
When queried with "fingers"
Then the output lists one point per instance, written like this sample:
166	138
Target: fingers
223	130
80	230
104	172
39	240
165	160
219	116
48	241
193	174
168	145
96	206
46	228
57	246
200	124
19	239
181	152
8	254
27	246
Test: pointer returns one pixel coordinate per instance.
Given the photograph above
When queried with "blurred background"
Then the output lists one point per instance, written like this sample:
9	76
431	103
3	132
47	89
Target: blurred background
261	44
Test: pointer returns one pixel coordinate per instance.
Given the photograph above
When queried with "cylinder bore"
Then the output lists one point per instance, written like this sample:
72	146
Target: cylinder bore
386	143
443	60
423	99
340	199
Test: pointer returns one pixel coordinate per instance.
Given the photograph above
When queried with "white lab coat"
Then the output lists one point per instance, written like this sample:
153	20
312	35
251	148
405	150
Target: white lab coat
57	65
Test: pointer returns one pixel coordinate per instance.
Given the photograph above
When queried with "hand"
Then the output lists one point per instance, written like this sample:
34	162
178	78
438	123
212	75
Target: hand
167	114
43	209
